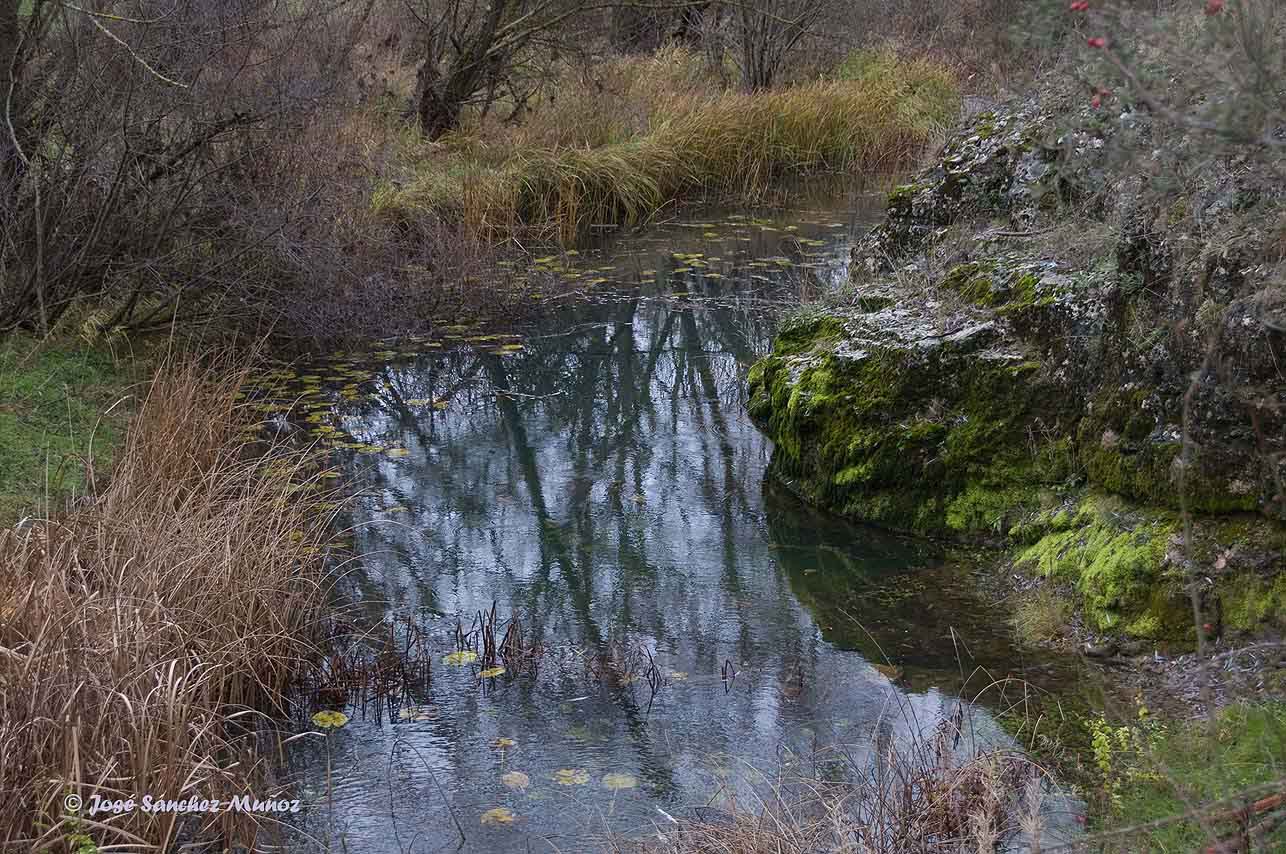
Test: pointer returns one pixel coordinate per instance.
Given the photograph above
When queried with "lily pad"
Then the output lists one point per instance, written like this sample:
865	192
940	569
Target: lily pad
498	816
616	782
571	776
329	719
462	657
515	780
418	713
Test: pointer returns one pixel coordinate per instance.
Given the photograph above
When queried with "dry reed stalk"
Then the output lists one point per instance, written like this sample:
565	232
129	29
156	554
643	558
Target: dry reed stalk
139	631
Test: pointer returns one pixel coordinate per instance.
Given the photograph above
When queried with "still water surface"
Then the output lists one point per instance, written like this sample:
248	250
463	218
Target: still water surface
604	484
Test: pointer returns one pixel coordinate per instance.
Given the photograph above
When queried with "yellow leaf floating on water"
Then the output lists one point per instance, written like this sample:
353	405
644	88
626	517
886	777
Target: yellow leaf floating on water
571	776
515	780
440	404
677	674
503	742
330	720
419	401
498	815
418	713
398	452
615	782
457	659
491	672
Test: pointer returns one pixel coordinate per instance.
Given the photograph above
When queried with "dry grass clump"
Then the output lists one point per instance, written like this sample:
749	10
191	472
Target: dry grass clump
728	144
926	797
136	631
1041	615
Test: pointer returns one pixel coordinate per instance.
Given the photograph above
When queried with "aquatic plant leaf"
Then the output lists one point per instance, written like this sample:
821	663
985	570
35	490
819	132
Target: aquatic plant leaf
616	782
462	657
418	713
498	816
515	780
502	742
491	672
571	776
329	719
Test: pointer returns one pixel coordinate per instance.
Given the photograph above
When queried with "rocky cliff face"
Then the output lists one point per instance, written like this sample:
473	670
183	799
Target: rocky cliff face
1048	347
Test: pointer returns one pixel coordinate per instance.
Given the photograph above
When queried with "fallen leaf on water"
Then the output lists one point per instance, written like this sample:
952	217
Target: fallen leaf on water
571	776
515	780
419	401
676	674
418	713
503	742
491	672
456	659
398	452
498	815
330	720
616	782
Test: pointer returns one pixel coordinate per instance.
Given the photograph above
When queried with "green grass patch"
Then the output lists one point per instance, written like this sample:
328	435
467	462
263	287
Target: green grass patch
729	144
53	401
1165	772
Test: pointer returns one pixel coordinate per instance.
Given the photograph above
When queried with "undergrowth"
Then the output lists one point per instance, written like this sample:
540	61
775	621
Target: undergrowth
62	412
1179	786
139	628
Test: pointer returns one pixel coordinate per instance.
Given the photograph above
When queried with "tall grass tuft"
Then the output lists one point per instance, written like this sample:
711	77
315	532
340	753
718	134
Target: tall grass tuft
138	632
729	144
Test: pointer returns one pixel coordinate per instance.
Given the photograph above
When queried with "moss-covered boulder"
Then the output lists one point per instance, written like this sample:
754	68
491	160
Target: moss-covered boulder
883	418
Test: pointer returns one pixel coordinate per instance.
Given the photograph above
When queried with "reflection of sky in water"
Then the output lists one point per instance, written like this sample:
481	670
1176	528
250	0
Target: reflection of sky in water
605	485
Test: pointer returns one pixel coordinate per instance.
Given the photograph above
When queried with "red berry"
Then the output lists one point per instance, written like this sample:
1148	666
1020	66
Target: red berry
1096	102
1097	42
1214	7
1207	627
1080	6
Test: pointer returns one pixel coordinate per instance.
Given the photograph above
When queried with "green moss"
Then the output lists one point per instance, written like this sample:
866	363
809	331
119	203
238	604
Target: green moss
974	282
1116	562
1251	602
925	440
52	401
1117	448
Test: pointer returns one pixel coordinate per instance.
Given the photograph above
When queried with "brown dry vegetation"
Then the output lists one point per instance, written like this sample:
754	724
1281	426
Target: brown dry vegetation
138	631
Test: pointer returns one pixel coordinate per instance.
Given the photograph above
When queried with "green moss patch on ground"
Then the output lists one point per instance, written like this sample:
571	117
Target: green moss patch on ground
1177	766
53	401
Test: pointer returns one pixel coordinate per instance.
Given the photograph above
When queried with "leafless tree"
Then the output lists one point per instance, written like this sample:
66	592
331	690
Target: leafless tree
129	135
767	32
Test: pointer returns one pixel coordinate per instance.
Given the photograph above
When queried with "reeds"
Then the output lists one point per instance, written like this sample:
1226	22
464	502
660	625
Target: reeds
140	629
730	144
926	796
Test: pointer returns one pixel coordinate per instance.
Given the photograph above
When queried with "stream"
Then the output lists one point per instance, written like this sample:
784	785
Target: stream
701	631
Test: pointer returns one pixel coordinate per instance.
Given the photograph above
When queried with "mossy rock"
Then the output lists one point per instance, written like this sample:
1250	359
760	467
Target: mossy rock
926	435
1130	446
